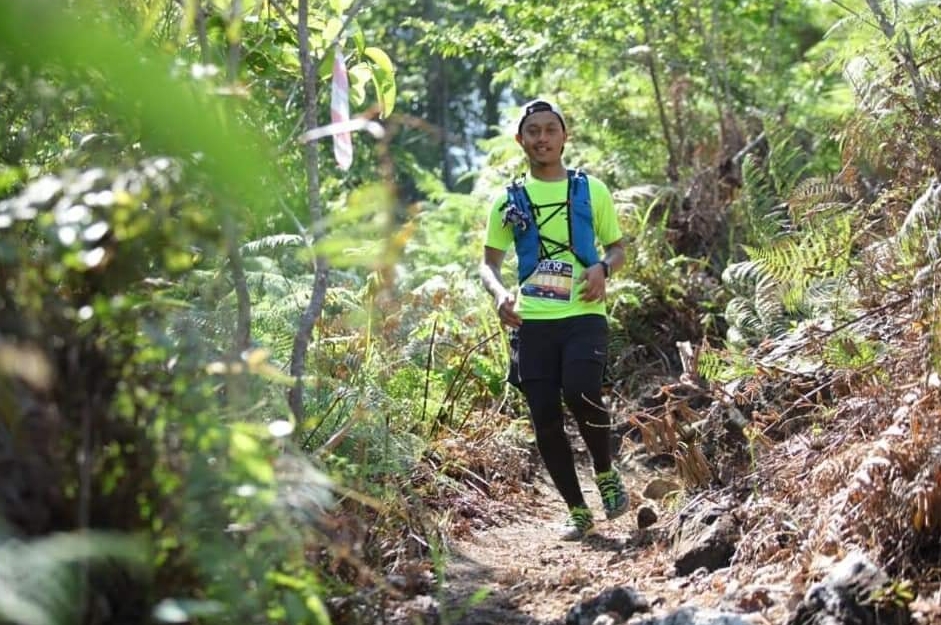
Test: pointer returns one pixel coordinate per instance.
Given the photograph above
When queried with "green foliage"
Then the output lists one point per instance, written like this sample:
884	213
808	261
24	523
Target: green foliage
135	86
724	366
796	275
125	263
117	269
847	351
798	235
882	60
759	214
42	577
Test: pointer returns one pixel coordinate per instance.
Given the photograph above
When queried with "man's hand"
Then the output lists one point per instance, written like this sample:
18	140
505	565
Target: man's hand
594	283
505	300
506	303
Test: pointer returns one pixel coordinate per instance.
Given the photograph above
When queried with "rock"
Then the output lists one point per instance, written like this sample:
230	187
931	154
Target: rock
706	539
653	461
624	602
658	488
646	516
847	597
420	610
695	616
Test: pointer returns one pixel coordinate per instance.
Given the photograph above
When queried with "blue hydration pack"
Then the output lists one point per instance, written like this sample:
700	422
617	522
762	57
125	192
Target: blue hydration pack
531	247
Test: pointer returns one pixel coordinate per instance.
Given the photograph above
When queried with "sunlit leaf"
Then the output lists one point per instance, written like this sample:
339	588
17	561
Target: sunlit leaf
185	610
340	6
173	117
383	75
332	30
359	40
359	75
27	363
317	608
280	428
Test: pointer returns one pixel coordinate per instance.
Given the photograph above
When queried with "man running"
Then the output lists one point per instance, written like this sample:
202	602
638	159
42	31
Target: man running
553	218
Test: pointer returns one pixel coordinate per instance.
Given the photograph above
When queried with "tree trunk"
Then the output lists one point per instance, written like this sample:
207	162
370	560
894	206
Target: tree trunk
445	118
903	47
235	45
491	98
672	170
319	291
243	326
201	34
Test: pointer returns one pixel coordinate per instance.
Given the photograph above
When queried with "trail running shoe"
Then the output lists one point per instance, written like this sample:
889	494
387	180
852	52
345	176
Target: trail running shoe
613	496
579	525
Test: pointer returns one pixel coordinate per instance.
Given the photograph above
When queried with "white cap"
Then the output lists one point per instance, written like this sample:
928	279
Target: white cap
537	106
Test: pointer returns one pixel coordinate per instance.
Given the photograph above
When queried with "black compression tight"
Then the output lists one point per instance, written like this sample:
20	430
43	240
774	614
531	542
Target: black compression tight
581	391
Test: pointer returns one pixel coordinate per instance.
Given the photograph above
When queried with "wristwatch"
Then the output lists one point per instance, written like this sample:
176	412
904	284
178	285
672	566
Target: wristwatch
607	268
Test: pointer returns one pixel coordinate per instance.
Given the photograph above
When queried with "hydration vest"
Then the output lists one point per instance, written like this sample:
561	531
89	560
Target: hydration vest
532	247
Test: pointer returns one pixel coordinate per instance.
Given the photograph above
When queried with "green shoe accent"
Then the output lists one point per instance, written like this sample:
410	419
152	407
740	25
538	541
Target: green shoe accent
579	525
613	496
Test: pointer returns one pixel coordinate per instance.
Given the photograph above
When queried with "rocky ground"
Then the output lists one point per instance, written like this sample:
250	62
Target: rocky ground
534	578
680	556
802	493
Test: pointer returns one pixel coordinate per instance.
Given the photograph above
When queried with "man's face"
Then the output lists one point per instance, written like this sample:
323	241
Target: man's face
542	138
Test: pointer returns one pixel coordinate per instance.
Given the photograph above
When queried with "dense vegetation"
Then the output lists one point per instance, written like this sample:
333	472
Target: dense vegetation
238	382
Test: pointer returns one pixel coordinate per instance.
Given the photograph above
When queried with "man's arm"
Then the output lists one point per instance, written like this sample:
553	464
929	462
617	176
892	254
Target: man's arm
614	256
503	298
594	277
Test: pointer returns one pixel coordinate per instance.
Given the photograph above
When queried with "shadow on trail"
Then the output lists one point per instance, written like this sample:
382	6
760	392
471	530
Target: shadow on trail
461	604
602	542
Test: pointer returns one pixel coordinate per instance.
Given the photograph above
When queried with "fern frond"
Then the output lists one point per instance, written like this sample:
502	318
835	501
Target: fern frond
923	218
264	283
845	350
770	305
740	313
723	366
819	195
758	205
743	276
821	190
272	242
787	161
777	281
828	295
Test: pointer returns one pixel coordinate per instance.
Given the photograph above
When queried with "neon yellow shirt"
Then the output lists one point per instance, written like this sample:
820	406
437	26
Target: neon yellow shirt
553	291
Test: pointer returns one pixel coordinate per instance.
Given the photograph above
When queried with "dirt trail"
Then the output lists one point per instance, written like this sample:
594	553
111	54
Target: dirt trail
534	578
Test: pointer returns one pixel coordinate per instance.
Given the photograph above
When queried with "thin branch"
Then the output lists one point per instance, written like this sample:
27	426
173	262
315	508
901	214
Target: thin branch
737	159
284	16
431	351
854	320
350	14
855	14
338	437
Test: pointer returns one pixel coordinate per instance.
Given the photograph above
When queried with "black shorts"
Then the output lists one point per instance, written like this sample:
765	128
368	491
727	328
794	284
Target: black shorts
546	346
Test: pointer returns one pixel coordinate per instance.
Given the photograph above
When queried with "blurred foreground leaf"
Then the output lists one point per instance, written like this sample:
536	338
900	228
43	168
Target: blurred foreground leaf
174	119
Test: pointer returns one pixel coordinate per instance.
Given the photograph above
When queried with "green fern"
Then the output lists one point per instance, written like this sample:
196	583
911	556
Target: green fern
271	243
845	350
802	272
810	255
917	235
724	366
819	196
758	210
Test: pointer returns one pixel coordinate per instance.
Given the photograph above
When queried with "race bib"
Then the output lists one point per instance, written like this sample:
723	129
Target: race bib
551	280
